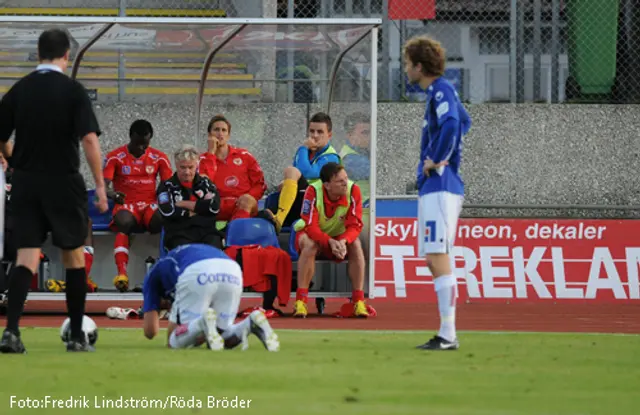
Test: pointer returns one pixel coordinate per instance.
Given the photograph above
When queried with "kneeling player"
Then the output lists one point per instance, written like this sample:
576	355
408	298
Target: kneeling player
331	221
205	286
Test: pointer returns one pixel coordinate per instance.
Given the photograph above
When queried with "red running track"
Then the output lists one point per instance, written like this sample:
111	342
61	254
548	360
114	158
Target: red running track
399	315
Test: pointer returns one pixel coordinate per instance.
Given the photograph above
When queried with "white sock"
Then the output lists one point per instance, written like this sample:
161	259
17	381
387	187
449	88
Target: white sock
186	335
446	290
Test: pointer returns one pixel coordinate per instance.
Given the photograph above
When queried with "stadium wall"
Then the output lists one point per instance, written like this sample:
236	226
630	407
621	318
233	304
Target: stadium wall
514	154
524	154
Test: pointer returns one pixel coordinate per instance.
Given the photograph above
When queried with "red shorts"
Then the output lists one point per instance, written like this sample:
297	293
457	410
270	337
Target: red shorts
324	254
228	210
141	211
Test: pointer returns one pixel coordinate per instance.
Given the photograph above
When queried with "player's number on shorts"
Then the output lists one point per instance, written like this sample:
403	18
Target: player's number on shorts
430	231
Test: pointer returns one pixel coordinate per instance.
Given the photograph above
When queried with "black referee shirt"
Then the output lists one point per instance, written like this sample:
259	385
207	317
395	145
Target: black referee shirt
50	114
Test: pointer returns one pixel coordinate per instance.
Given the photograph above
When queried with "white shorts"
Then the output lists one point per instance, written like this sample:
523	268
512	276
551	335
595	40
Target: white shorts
212	283
438	215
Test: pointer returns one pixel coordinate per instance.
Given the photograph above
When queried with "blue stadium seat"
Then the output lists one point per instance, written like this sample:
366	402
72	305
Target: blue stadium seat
100	220
251	231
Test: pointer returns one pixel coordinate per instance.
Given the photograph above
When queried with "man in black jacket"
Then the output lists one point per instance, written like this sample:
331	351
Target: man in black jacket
189	204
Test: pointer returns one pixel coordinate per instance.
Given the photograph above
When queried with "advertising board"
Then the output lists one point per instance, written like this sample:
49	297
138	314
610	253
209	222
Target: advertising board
512	259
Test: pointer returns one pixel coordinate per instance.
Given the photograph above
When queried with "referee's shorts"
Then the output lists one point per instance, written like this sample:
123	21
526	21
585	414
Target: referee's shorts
49	203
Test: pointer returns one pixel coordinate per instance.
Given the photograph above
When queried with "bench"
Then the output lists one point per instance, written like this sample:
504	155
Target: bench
108	64
143	77
145	86
145	246
32	56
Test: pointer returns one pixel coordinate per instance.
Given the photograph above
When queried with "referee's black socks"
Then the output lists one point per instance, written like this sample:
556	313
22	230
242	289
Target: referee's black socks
76	294
20	279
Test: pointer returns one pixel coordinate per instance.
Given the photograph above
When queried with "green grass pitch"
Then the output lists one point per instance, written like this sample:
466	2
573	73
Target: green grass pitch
338	372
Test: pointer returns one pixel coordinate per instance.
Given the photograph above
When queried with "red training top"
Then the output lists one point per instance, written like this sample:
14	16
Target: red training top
136	177
237	175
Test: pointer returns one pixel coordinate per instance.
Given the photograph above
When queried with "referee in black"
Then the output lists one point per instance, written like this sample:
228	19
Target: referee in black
50	114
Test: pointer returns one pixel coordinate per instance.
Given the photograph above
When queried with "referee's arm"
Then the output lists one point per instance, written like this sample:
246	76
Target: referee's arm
7	122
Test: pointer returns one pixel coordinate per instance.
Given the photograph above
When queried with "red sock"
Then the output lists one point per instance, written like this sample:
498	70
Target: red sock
121	252
241	214
357	295
88	259
302	294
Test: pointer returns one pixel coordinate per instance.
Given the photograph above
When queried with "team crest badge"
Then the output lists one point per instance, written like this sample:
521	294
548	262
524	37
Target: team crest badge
231	181
306	207
149	169
237	161
126	170
7	187
199	193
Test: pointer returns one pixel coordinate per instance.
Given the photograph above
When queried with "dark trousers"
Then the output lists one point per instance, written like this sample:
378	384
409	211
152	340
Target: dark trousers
211	237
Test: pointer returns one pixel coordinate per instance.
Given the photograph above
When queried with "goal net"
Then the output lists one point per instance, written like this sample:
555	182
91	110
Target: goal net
267	76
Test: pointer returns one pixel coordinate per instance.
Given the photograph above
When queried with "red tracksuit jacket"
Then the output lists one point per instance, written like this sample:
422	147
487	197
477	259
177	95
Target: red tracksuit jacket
259	263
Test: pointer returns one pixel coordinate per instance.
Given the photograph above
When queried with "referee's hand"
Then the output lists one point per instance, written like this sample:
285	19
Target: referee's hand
101	199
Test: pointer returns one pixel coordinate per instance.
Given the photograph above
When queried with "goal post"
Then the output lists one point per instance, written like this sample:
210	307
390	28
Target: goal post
268	76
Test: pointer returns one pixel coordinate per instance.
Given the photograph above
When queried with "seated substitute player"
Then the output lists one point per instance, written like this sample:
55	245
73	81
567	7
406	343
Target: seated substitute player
189	204
330	223
235	172
130	174
205	286
356	160
309	159
440	187
355	153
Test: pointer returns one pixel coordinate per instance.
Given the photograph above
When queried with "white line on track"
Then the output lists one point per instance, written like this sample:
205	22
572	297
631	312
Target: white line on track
427	332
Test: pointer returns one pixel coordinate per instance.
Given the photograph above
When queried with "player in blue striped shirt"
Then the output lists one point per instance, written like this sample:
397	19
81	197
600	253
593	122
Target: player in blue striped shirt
440	187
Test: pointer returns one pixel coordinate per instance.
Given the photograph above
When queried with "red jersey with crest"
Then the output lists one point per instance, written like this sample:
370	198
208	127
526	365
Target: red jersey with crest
239	174
136	177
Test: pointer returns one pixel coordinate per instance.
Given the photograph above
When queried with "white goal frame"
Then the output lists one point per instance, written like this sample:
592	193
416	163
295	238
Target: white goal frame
372	23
